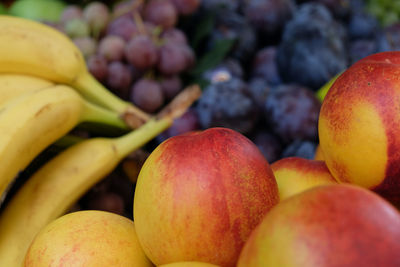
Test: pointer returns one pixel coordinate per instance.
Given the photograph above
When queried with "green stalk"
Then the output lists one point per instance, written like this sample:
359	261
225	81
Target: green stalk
94	113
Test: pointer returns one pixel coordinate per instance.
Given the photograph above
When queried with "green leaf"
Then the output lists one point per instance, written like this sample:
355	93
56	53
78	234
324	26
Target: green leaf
203	29
213	57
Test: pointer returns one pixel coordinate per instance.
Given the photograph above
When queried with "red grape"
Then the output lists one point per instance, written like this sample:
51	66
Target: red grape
141	52
174	35
96	14
186	7
87	45
122	26
112	47
97	66
173	59
171	86
119	78
147	95
161	12
71	12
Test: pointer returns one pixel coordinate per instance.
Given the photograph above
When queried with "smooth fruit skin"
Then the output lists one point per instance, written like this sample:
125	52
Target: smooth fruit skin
87	238
199	196
319	155
327	226
359	125
295	175
188	264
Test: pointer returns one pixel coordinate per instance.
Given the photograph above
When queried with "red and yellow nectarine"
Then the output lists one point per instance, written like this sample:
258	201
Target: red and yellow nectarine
199	196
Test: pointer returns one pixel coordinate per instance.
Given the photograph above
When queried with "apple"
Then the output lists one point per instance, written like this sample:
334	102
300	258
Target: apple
359	125
189	264
327	226
295	174
199	195
87	238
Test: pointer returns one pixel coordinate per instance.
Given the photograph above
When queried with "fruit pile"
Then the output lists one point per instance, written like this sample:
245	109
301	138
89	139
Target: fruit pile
211	178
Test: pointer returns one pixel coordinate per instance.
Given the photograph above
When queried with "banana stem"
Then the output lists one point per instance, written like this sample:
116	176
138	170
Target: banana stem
94	91
137	138
68	140
94	113
164	119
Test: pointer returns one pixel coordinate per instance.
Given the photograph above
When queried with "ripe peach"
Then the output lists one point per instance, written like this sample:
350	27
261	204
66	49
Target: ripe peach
87	238
359	125
295	174
199	195
327	226
188	264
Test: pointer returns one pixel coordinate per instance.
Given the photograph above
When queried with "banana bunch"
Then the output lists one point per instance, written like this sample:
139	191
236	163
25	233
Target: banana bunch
45	92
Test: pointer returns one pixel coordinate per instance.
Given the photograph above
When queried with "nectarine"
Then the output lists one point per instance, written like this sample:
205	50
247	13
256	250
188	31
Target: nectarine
199	195
327	226
359	125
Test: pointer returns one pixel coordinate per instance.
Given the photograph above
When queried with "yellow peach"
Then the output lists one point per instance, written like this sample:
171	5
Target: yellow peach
87	238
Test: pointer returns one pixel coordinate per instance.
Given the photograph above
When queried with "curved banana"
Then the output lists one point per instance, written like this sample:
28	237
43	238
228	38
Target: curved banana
31	122
60	183
30	47
12	85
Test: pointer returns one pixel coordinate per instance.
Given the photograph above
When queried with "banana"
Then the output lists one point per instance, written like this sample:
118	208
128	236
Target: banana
59	183
31	122
12	85
30	47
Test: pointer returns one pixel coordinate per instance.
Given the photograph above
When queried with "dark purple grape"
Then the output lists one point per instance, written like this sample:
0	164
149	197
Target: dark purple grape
269	145
339	8
119	78
313	47
362	26
227	104
87	45
161	12
186	7
188	122
361	48
224	71
300	148
265	66
122	26
233	26
108	201
71	12
141	52
174	35
269	17
292	113
388	39
112	47
147	95
173	59
258	89
97	15
171	86
97	66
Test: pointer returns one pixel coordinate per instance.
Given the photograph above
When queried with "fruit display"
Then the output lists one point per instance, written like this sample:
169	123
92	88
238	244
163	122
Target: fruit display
199	133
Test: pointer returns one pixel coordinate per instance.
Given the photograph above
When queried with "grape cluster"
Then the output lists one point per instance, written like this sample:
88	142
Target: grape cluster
135	47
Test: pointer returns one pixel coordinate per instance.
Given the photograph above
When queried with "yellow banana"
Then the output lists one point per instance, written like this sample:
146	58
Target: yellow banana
30	47
12	85
31	122
60	183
